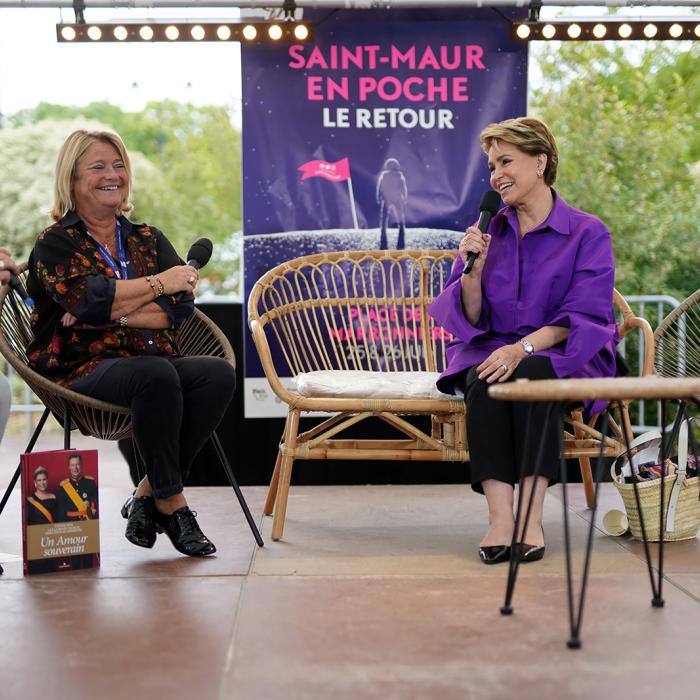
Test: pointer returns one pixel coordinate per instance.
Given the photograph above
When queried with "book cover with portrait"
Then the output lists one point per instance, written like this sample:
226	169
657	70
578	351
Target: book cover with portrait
60	511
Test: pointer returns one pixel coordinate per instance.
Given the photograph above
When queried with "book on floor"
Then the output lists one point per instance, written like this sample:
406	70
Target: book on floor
60	511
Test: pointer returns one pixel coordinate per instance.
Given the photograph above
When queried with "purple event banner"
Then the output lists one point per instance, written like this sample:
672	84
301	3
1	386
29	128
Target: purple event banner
368	137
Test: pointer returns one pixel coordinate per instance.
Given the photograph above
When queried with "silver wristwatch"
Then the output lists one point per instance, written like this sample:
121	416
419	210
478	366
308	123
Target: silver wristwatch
527	346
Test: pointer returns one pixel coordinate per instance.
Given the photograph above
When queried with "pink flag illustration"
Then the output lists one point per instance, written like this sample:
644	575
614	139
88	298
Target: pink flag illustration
335	172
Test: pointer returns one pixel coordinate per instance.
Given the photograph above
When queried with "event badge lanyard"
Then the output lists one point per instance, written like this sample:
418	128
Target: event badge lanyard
120	270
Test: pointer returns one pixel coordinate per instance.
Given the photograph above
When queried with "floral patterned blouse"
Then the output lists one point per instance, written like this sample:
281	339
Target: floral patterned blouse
68	273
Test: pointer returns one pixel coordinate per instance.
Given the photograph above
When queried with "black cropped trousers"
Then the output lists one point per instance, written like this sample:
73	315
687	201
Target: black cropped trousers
176	404
496	430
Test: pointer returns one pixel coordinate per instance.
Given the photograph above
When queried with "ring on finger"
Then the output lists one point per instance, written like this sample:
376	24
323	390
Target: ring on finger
2	264
504	367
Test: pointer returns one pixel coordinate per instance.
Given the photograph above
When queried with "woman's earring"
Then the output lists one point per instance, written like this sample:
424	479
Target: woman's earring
540	173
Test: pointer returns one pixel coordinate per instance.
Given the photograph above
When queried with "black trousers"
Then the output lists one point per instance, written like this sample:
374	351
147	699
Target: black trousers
496	429
176	404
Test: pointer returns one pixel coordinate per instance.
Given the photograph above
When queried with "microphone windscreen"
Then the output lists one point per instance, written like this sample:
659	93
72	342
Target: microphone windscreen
490	202
200	251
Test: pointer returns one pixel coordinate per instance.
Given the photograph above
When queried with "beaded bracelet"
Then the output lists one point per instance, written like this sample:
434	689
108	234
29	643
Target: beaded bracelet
152	286
161	288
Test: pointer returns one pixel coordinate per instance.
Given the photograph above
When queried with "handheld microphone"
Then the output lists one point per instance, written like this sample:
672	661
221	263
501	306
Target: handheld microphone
16	285
487	209
199	254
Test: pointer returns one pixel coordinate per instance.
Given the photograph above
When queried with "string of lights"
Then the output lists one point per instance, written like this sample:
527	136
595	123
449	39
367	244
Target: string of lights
247	32
604	30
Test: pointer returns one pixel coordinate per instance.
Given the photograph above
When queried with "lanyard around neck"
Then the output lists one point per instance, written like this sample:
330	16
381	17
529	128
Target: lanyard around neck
119	267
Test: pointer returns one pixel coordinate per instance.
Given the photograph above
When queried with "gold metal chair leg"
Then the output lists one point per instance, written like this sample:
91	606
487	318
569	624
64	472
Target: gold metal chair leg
285	476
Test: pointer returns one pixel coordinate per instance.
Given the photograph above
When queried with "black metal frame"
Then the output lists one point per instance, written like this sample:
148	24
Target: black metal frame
576	612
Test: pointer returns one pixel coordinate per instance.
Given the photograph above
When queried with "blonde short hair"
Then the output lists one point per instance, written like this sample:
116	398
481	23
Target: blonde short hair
531	136
72	150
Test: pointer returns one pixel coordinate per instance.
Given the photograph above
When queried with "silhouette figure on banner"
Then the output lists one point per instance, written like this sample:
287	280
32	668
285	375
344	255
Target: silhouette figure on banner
392	195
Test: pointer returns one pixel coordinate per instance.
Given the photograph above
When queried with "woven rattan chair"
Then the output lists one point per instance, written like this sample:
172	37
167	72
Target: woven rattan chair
198	336
346	312
677	340
582	440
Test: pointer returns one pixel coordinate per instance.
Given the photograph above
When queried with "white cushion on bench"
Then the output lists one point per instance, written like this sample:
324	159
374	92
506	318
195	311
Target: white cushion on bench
359	384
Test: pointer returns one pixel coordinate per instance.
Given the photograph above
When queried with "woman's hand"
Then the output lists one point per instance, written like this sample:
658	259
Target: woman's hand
475	242
181	278
501	363
7	266
68	319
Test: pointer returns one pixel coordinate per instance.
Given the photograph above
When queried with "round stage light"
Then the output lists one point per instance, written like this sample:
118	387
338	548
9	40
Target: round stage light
650	31
68	33
301	32
675	30
146	32
223	32
697	30
599	31
574	31
198	33
120	33
625	31
95	33
523	31
275	32
250	32
172	32
548	31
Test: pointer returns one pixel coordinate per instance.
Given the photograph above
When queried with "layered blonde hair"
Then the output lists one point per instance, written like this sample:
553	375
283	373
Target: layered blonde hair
531	136
72	150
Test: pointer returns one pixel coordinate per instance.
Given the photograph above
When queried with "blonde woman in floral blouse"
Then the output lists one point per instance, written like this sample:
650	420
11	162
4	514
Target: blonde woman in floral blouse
109	295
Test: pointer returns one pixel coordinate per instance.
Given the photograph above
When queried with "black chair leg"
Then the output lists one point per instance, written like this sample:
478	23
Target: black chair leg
229	473
15	476
66	428
30	447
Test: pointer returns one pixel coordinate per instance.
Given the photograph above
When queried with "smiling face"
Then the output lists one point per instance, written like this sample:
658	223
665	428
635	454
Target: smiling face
74	467
41	482
101	180
514	173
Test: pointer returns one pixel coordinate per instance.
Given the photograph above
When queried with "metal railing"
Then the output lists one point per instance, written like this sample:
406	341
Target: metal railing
653	307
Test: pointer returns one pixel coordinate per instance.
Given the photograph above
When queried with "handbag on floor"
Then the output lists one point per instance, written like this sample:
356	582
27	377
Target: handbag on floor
681	491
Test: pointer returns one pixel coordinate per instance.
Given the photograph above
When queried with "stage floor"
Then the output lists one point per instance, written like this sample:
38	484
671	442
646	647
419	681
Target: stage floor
375	592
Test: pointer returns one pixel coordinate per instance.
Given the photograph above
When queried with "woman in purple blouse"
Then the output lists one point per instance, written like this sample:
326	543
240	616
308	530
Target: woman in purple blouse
537	304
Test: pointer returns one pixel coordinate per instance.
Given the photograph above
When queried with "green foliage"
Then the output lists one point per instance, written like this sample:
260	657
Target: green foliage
187	173
628	140
28	154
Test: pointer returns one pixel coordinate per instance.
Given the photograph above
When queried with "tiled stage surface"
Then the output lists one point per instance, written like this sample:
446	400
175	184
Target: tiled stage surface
375	592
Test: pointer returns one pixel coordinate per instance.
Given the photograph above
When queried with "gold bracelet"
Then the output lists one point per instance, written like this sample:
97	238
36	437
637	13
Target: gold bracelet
161	288
152	286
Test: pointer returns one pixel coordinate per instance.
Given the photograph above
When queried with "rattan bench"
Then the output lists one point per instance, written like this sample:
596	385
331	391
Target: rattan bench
326	319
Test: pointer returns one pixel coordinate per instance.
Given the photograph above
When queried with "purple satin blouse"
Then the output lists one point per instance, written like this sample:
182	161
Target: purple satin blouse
559	274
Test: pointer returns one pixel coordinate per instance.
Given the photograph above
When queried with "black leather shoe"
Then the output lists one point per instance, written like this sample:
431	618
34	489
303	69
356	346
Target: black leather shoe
182	529
141	528
528	552
127	504
494	555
